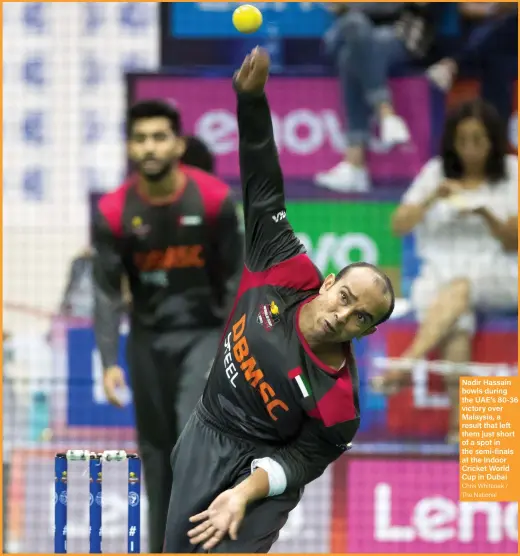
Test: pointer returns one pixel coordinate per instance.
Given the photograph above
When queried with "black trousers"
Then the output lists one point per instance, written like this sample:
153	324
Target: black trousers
167	376
206	462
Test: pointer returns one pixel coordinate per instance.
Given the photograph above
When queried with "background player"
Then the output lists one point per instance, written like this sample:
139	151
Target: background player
197	153
282	396
173	230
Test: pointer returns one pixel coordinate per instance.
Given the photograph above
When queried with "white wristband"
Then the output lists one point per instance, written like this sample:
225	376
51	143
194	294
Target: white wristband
275	473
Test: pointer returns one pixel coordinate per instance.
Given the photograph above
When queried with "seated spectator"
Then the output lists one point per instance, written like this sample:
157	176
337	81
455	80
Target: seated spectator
366	41
463	209
490	48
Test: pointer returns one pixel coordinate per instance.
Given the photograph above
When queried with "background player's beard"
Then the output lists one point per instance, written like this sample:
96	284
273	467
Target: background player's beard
158	175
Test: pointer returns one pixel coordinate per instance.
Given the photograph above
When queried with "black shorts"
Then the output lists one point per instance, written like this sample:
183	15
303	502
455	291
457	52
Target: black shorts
206	461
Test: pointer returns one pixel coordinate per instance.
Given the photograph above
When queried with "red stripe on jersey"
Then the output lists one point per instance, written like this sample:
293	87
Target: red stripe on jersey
112	205
337	405
297	273
212	191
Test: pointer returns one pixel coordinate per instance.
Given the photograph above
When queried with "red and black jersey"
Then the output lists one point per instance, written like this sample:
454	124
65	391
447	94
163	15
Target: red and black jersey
183	258
266	384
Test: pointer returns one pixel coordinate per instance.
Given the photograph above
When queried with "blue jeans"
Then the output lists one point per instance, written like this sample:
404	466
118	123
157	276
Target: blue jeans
364	55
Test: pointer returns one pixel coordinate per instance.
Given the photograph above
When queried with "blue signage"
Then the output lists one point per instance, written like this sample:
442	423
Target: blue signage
214	19
87	404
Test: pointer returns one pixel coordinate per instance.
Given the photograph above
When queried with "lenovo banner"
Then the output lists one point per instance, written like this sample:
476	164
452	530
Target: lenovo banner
308	117
412	506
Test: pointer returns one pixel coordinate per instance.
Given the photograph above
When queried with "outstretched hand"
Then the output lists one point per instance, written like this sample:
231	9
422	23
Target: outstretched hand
223	517
252	75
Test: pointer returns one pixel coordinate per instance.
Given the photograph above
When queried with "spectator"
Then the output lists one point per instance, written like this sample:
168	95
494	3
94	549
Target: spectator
463	208
366	41
78	298
197	154
491	49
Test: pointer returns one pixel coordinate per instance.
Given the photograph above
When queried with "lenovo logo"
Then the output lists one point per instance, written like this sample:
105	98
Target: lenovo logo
438	519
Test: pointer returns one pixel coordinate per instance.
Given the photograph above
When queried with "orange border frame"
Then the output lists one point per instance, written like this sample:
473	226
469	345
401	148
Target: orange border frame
339	474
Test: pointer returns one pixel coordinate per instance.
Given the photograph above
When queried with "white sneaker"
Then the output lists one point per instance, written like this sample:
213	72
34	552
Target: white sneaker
394	131
344	177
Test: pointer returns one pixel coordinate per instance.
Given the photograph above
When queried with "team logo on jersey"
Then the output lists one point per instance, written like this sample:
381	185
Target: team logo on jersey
269	315
175	256
138	227
239	360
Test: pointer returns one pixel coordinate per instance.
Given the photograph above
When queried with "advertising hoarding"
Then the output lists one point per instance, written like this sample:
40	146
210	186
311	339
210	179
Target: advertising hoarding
308	125
412	506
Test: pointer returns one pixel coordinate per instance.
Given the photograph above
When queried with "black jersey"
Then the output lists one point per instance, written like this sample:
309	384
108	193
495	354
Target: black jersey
266	384
183	258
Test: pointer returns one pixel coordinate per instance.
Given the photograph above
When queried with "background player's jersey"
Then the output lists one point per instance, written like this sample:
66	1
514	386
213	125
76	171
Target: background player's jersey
266	385
182	258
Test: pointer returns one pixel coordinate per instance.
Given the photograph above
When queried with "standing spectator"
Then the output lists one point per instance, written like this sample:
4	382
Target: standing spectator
78	299
367	40
173	230
463	208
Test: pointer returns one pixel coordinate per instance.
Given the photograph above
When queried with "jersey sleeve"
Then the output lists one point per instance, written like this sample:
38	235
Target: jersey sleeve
230	251
108	304
306	458
269	238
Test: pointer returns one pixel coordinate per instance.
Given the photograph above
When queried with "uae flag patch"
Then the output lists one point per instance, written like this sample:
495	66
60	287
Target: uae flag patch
300	380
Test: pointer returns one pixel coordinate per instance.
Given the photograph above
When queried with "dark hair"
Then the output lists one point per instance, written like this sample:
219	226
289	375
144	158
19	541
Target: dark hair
387	282
153	109
496	132
197	154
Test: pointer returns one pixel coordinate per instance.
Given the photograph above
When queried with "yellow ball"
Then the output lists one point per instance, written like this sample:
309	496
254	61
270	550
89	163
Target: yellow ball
247	18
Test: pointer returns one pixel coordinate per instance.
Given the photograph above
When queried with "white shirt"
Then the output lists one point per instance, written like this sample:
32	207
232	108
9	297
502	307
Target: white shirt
452	244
